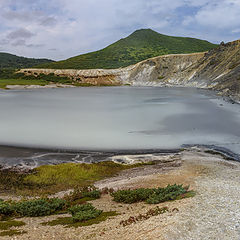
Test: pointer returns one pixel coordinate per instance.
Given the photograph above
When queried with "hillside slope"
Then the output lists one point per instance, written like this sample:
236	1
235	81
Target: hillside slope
217	69
12	61
140	45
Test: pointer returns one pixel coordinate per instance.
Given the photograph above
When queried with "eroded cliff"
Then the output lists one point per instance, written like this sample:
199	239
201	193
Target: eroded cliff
218	69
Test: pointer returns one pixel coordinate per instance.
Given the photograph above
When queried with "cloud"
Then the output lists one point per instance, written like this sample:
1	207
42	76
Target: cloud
48	21
22	42
20	33
60	29
19	42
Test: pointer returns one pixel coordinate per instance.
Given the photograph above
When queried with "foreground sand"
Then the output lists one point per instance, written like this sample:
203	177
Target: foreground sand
214	213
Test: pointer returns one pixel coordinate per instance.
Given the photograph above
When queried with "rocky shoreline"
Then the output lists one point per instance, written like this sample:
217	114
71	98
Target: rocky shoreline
26	158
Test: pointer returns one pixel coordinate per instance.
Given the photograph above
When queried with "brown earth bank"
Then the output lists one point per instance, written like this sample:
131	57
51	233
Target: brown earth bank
214	212
217	69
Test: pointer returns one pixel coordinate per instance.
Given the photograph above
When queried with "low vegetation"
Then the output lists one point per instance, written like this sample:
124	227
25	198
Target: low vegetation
82	195
68	221
32	208
10	77
84	212
10	233
151	196
141	217
50	179
47	206
6	225
12	61
6	228
161	77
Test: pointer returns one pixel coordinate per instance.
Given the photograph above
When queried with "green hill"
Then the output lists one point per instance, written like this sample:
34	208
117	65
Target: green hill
12	61
140	45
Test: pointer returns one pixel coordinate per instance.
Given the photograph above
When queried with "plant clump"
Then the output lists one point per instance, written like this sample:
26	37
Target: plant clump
82	195
84	212
32	208
141	217
39	207
151	196
6	227
6	209
10	233
68	221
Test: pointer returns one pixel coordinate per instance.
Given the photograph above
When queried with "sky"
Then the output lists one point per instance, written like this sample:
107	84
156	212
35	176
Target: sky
59	29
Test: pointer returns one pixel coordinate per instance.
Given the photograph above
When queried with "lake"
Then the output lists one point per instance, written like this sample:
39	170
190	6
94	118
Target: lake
117	118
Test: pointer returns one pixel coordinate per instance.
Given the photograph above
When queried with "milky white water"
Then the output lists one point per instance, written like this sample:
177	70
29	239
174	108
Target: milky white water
117	118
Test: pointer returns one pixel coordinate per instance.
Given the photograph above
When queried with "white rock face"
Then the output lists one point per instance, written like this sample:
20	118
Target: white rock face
217	69
152	72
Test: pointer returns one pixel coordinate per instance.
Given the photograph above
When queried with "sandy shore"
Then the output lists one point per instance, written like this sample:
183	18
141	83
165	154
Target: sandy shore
214	213
21	87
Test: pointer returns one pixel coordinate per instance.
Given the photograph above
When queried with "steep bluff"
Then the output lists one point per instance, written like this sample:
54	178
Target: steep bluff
217	69
154	71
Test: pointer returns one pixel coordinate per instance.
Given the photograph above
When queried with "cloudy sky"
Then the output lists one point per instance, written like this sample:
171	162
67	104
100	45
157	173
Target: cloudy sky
59	29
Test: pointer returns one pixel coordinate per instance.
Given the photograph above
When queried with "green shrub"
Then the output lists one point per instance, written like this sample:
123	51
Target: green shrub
171	192
80	208
57	204
84	212
151	196
39	207
6	209
86	215
95	194
132	196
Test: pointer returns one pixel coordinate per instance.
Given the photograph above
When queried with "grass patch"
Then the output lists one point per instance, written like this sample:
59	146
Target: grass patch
54	178
82	195
161	77
68	221
50	179
5	82
10	77
12	233
152	196
6	225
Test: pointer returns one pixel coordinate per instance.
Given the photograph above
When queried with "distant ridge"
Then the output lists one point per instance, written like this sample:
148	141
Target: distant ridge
8	60
140	45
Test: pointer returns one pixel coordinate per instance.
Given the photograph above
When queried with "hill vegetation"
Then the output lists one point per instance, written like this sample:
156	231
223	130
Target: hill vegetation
140	45
12	61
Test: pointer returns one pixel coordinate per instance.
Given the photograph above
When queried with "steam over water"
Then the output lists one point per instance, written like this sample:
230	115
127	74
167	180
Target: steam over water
117	118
